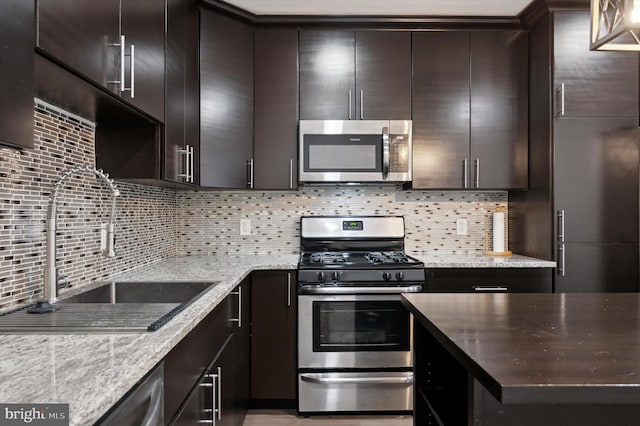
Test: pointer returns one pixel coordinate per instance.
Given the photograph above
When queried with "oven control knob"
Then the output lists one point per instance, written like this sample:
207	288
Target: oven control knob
335	276
386	276
321	276
399	276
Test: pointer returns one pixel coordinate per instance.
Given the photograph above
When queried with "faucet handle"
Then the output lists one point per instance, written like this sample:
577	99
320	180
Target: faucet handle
63	281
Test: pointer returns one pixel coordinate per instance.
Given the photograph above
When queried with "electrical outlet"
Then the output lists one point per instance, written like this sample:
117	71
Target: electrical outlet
103	236
461	227
245	226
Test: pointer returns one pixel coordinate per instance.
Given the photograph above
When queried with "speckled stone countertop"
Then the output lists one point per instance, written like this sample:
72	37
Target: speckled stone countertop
469	261
91	372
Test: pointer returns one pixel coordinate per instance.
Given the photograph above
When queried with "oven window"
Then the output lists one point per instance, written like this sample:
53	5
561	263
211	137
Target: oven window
342	153
360	326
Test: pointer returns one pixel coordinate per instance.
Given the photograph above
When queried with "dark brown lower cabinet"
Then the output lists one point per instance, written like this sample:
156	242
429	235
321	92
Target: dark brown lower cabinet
597	267
489	280
273	339
207	373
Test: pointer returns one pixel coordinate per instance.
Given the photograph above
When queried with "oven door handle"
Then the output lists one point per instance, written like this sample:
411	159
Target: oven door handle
311	378
313	289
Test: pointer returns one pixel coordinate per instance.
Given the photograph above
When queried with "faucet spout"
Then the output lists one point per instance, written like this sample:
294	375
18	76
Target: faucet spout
52	277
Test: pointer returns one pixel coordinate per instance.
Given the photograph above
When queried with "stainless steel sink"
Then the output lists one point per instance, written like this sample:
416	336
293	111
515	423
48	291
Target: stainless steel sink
142	292
111	308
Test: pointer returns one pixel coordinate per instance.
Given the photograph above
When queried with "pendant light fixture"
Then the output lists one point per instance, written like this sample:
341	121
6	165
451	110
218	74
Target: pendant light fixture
615	25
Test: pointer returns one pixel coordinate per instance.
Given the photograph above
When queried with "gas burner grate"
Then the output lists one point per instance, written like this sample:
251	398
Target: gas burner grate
387	257
327	258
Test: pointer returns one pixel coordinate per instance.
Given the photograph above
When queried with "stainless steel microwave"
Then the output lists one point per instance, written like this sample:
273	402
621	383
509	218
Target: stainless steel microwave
355	151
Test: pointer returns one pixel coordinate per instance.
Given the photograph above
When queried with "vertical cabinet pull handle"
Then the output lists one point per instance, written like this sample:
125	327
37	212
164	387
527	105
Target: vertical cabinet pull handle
215	396
132	88
250	173
465	174
122	56
561	260
476	164
219	393
239	319
188	163
361	104
562	99
288	289
560	215
349	104
291	173
191	155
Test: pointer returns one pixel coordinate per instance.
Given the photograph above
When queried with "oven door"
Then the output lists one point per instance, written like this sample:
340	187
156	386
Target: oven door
354	331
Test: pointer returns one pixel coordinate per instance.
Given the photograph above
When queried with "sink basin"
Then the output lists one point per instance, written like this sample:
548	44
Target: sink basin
142	292
119	307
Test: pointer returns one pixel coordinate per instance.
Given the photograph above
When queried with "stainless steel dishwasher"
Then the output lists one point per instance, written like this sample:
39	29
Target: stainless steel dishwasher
143	406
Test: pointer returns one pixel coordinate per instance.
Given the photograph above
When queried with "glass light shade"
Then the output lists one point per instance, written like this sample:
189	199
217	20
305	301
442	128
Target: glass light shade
615	25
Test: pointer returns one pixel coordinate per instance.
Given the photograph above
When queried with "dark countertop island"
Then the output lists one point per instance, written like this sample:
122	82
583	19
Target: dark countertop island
525	359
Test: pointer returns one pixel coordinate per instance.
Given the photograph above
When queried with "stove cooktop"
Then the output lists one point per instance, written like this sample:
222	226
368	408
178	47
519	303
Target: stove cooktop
364	259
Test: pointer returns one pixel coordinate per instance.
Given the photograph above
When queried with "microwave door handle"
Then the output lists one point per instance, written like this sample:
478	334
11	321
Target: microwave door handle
385	153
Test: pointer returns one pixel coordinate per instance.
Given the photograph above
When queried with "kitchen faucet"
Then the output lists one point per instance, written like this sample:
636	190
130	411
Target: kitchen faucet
53	279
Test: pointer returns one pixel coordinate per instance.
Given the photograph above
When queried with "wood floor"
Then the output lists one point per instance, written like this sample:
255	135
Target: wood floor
289	418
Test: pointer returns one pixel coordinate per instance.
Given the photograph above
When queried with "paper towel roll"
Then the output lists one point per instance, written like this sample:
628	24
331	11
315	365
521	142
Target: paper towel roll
498	231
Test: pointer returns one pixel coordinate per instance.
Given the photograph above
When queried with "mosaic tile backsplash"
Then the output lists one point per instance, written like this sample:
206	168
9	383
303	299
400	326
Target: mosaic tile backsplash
209	222
155	223
145	216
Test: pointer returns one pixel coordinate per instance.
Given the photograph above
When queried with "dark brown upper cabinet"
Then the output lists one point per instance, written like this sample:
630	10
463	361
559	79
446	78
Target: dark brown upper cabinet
182	111
87	36
275	149
470	110
590	84
355	75
16	62
226	102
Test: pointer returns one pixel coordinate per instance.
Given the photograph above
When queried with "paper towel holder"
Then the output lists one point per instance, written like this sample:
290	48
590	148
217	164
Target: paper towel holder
496	253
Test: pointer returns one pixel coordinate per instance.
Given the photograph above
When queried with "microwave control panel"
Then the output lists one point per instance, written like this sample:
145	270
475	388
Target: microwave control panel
398	154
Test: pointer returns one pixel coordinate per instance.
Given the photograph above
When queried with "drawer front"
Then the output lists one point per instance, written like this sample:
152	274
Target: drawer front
489	280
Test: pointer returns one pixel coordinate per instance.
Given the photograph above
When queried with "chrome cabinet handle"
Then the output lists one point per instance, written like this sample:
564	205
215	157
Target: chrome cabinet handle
561	260
219	393
132	88
239	319
132	58
385	153
215	404
476	165
291	173
465	173
188	163
490	288
361	104
250	173
560	217
191	156
122	56
288	289
349	104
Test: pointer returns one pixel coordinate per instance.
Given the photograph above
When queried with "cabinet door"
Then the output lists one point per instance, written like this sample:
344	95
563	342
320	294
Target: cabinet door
440	109
143	25
273	337
596	178
226	101
327	75
16	62
181	87
242	353
489	280
79	33
597	267
225	387
383	75
499	110
275	147
596	84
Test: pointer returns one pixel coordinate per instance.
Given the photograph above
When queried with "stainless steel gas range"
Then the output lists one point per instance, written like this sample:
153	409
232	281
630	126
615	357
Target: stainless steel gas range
354	336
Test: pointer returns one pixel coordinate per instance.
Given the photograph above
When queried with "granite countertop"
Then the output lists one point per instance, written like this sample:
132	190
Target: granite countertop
470	261
70	368
541	348
91	372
